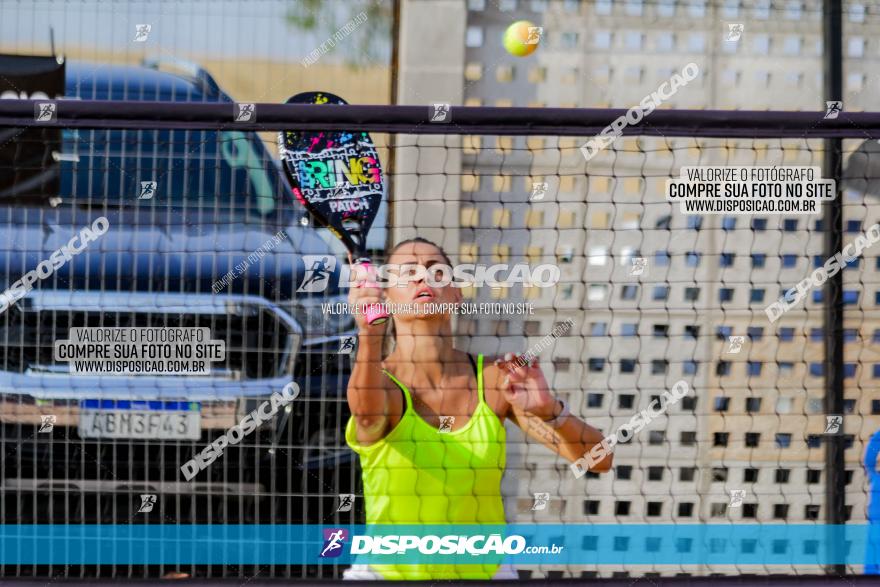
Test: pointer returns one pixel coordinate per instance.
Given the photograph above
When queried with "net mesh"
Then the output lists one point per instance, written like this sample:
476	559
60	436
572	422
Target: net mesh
754	423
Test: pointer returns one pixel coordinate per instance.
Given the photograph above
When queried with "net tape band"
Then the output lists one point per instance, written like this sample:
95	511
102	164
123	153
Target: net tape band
481	120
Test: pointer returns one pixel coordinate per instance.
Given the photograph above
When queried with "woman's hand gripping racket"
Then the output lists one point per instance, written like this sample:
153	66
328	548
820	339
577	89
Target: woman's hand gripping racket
337	176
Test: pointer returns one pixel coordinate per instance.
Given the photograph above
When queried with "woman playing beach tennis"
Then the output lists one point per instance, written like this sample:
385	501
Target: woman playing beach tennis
428	419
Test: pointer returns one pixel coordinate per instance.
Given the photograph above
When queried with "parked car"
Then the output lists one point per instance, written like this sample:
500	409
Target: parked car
187	210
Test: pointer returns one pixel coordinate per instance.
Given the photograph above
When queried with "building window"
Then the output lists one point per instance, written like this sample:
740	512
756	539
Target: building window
629	292
569	40
665	42
728	223
661	258
783	440
793	10
697	8
633	41
625	401
685	510
596	364
697	43
759	224
687	473
756	295
759	260
784	404
473	72
750	475
659	367
538	6
629	330
656	437
628	365
761	44
725	294
602	40
786	334
660	331
562	365
504	74
789	261
811	512
814	476
726	259
474	36
755	333
753	404
857	13
718	510
722	369
753	439
666	8
792	46
603	7
660	293
762	9
750	510
594	400
720	438
692	332
598	329
691	294
689	368
688	438
655	473
591	507
856	47
634	7
730	9
780	511
782	476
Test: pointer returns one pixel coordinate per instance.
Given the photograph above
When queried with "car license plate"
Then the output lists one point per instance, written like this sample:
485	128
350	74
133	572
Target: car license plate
161	420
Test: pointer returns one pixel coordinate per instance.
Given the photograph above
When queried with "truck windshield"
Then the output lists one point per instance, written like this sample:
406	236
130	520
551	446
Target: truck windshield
228	171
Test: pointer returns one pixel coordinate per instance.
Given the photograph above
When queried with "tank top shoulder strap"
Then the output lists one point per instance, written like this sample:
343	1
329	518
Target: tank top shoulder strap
402	387
480	377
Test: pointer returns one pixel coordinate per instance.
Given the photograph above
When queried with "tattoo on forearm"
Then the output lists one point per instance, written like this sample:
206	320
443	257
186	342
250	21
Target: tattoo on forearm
544	432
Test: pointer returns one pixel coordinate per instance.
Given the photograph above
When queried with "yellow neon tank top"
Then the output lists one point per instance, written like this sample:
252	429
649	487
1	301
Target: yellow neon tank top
419	475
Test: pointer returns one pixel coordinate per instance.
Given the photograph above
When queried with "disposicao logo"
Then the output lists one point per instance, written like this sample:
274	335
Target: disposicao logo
334	540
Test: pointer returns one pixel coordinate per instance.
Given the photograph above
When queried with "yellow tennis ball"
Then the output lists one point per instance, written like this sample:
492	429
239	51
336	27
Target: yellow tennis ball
522	38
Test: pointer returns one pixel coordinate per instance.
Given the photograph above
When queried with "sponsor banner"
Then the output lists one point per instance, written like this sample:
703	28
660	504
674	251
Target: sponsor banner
576	544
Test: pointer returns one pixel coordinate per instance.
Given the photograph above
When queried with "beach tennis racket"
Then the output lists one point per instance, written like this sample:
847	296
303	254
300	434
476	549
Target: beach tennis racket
337	177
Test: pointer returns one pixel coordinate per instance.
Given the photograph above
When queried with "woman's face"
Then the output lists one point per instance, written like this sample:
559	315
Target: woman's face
415	290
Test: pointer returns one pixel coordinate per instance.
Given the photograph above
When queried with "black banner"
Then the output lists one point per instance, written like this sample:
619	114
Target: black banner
28	168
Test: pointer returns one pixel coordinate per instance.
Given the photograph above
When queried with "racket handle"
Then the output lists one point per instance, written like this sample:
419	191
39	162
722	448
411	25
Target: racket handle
375	313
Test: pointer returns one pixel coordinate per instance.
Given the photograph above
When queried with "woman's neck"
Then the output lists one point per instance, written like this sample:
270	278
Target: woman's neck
426	348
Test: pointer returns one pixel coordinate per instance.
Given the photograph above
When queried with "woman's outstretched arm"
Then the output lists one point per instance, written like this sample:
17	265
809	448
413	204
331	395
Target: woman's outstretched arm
539	414
368	390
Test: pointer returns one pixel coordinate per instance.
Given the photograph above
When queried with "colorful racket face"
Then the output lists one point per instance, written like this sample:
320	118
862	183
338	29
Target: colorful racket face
336	175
